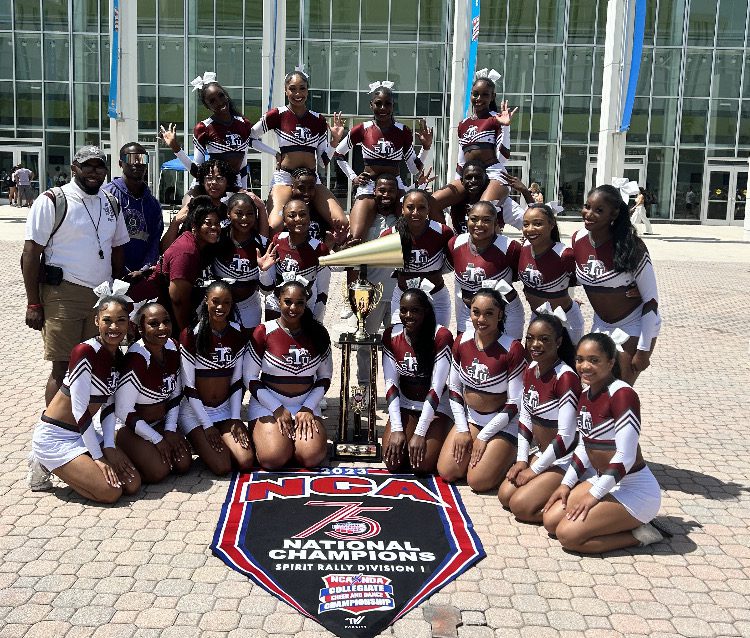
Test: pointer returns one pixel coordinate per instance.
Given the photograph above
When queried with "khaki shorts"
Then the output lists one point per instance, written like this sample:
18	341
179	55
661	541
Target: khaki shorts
68	318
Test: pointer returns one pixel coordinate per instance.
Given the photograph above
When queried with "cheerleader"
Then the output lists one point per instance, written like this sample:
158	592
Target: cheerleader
299	254
416	364
65	442
608	495
428	254
548	419
484	136
288	370
481	255
386	144
303	138
303	187
547	268
147	399
244	258
211	367
614	268
486	384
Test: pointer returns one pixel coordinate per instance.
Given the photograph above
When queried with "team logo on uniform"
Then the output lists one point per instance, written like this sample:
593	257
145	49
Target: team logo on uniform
206	275
109	211
419	257
585	422
233	140
532	398
168	384
478	372
471	132
594	267
288	265
410	363
298	356
303	133
315	231
531	276
114	377
474	274
221	354
241	265
383	146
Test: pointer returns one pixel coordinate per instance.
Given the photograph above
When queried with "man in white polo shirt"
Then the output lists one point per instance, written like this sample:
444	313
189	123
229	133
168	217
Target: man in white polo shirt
85	250
23	176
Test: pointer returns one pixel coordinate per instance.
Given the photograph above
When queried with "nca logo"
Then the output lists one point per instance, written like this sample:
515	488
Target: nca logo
303	133
240	265
355	621
478	371
531	276
410	362
288	265
298	356
474	274
532	398
233	140
168	384
384	147
471	132
346	520
221	354
419	257
585	422
594	267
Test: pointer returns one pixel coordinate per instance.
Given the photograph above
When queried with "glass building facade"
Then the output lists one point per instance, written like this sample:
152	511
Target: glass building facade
688	143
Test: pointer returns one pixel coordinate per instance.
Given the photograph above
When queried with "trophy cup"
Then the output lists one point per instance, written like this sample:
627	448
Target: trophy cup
363	297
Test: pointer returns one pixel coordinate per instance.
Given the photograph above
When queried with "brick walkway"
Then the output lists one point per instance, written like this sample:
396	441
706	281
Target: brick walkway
143	568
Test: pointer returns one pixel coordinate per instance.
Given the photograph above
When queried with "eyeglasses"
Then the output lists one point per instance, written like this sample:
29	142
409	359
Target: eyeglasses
214	179
99	167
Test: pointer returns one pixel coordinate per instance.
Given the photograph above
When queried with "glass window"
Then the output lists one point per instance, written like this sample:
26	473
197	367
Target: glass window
663	121
650	26
292	56
520	62
576	119
344	101
638	130
431	71
573	177
29	103
6	56
57	104
229	62
689	183
375	20
694	115
254	18
146	107
252	110
56	50
598	70
86	58
86	15
402	66
6	17
404	103
146	16
229	17
430	104
727	74
55	16
172	15
667	71
521	120
745	123
318	101
28	17
544	118
731	29
171	106
147	60
319	55
548	70
433	16
697	73
722	124
201	57
344	19
579	65
7	95
171	60
542	168
373	68
253	49
344	65
522	22
644	75
701	23
551	17
292	19
28	57
404	21
493	57
659	181
670	22
582	21
104	57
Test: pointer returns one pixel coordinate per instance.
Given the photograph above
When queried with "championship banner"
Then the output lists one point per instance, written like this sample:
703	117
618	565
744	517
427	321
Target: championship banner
354	549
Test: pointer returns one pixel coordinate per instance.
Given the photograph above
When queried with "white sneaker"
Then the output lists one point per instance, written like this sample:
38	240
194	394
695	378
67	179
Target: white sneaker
324	404
38	477
647	535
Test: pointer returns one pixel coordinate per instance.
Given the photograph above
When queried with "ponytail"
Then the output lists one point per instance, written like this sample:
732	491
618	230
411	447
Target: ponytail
628	247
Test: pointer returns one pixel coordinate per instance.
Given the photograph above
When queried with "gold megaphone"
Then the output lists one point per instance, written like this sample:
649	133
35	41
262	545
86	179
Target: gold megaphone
383	251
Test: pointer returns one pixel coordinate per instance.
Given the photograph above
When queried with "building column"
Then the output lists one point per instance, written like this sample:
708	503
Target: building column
124	128
461	36
273	65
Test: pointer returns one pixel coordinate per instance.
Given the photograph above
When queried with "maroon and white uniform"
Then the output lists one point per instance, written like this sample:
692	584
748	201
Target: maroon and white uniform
499	261
549	401
224	359
495	370
611	421
595	271
549	276
478	133
302	260
400	368
145	382
91	379
275	356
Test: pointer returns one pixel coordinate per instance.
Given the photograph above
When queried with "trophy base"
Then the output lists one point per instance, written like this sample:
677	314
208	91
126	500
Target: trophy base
356	450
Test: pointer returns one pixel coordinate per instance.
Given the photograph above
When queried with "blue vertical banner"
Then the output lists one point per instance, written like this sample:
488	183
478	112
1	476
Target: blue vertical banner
114	66
639	26
473	45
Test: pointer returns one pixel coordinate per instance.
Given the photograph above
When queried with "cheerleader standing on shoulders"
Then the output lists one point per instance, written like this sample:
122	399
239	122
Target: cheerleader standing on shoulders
548	418
244	257
482	255
614	267
297	255
212	352
608	494
416	364
65	442
385	144
303	139
288	370
428	255
547	268
147	399
486	384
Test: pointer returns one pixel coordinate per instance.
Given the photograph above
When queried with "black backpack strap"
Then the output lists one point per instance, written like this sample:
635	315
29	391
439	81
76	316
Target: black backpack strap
61	209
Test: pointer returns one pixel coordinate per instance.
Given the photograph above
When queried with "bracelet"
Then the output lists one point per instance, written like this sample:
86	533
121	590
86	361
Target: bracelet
34	306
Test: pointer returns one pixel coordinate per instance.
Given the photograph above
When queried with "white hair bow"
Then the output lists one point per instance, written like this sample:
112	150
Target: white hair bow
555	206
627	188
201	81
491	75
500	285
209	282
546	309
291	275
425	285
137	305
302	72
617	335
117	289
387	84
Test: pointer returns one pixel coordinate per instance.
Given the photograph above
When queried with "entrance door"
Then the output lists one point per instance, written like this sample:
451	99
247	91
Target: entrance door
725	194
27	156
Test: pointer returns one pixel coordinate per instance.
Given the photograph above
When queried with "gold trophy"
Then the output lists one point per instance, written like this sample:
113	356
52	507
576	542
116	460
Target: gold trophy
363	296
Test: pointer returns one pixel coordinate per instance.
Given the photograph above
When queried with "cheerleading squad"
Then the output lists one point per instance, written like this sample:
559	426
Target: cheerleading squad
552	420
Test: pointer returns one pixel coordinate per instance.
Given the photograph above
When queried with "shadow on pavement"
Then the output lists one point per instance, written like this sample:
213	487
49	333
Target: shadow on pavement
693	482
